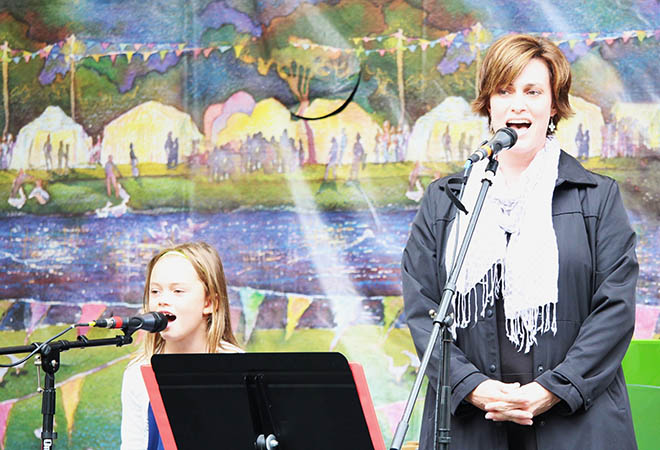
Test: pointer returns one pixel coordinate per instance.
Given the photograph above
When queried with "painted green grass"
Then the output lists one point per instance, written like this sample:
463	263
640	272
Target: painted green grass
81	191
98	417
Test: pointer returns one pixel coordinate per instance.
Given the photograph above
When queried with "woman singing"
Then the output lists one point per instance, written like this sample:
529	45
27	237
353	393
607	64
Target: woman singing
545	302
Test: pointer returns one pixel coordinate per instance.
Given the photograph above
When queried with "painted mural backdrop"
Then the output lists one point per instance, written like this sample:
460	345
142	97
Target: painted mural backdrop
129	125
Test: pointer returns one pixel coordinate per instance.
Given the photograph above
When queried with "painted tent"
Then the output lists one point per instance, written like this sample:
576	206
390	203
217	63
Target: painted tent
454	114
354	119
591	118
147	126
28	152
269	117
645	115
216	115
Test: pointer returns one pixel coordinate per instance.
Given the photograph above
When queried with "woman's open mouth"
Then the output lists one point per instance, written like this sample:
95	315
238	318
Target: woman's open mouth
519	125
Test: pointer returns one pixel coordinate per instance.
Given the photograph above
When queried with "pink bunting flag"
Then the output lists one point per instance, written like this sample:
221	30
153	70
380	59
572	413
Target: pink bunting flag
89	312
381	52
609	41
105	45
113	57
646	320
627	35
137	47
392	412
5	408
207	51
196	52
38	310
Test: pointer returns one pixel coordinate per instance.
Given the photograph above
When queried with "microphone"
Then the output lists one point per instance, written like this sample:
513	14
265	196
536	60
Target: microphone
152	322
504	138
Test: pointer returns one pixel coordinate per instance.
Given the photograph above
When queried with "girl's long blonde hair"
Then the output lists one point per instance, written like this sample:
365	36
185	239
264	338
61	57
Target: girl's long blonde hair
207	264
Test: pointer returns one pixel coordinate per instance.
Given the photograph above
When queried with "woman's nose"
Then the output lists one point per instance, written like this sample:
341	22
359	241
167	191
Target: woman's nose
518	102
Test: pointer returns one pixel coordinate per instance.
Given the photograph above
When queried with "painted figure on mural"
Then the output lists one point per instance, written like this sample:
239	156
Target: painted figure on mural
538	343
60	155
17	196
333	160
358	159
187	283
168	148
446	144
6	151
95	153
135	172
111	175
48	150
39	193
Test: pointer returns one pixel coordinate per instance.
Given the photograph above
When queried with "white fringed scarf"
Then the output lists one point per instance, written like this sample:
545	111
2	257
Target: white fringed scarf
530	259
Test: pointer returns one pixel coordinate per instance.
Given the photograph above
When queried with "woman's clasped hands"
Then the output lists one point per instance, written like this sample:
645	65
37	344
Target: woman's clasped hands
511	401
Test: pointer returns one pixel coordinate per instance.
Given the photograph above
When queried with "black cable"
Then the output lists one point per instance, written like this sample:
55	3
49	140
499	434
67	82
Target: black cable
38	348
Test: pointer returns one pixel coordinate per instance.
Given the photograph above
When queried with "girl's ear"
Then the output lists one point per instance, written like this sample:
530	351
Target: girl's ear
208	306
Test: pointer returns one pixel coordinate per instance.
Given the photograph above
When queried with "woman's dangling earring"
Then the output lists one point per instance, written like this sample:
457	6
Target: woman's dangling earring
551	127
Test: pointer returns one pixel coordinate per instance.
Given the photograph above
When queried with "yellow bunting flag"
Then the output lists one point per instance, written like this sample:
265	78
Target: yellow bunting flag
392	308
163	54
129	56
70	399
4	306
295	309
238	48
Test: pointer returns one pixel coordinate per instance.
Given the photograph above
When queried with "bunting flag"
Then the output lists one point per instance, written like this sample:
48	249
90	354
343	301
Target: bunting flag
478	40
646	320
235	314
5	408
89	312
250	300
296	307
70	400
38	310
392	308
393	413
4	306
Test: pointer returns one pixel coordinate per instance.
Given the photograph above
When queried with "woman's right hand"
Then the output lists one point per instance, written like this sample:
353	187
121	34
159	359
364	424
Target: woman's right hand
490	391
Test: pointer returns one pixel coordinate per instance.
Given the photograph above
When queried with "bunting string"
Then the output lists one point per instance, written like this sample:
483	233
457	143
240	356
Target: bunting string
363	45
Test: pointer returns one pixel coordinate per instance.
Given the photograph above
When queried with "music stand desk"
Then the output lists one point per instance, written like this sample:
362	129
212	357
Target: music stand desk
232	401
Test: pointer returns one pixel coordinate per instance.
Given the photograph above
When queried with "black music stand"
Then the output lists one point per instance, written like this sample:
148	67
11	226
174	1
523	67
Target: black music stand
283	401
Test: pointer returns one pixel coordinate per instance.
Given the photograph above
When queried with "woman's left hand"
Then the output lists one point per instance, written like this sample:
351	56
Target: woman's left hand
532	398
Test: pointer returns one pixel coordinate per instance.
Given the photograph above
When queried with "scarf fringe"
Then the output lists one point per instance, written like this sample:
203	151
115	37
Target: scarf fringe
521	329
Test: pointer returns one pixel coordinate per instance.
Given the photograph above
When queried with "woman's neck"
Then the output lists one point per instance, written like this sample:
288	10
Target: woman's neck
513	164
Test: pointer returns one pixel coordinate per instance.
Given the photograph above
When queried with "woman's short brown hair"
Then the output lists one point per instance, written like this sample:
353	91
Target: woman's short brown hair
505	60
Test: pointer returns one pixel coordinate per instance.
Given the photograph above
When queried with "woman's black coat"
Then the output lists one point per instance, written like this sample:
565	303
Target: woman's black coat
581	364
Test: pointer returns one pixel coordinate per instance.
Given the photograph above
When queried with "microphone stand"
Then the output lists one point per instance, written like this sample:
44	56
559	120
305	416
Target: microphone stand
443	321
49	359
